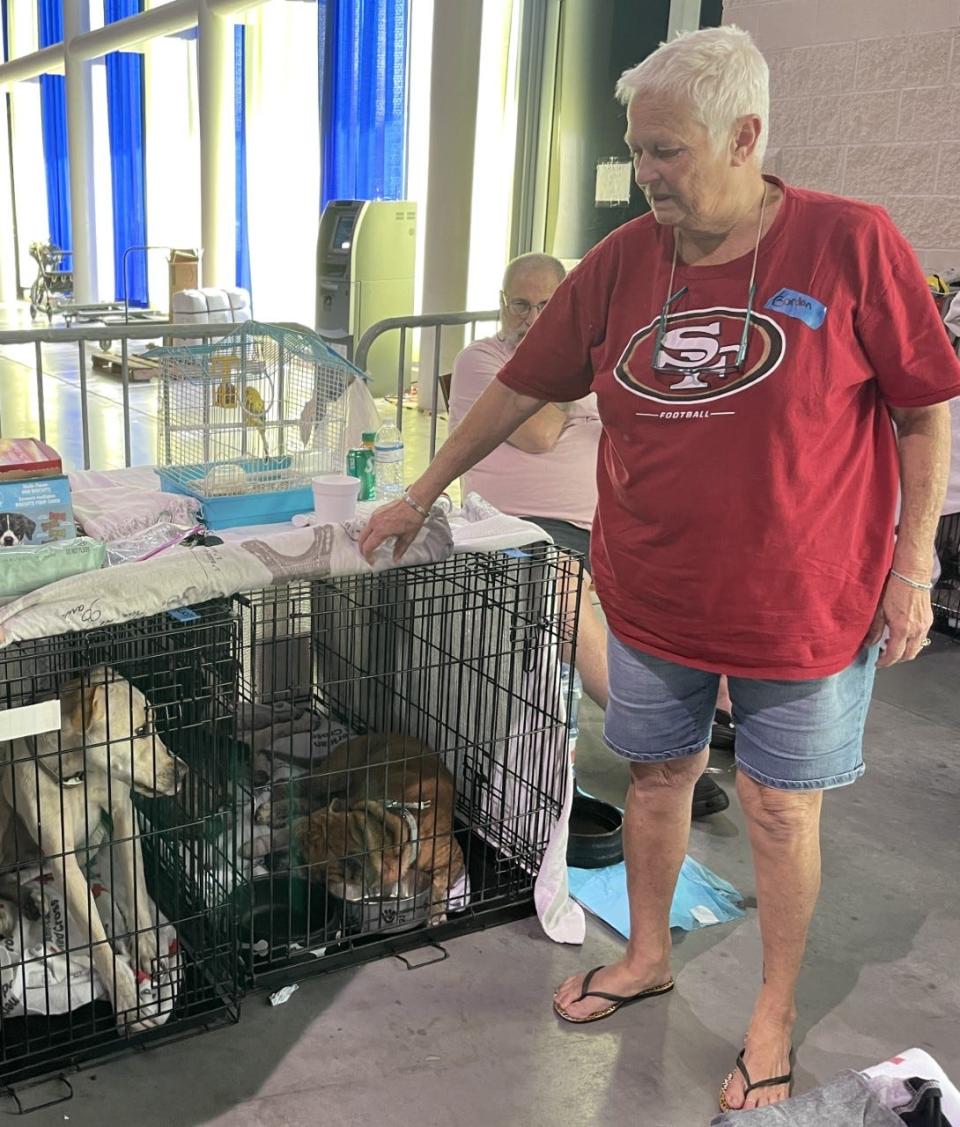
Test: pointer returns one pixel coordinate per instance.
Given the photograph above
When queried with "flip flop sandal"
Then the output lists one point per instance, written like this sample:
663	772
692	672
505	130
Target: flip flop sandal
751	1085
618	1001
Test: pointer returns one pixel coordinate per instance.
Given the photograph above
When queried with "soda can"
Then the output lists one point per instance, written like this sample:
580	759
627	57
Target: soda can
366	471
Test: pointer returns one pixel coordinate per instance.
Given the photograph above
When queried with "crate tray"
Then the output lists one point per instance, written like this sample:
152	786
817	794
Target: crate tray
275	507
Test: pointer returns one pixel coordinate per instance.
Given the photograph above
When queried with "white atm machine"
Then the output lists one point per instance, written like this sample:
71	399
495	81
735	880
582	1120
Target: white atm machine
366	251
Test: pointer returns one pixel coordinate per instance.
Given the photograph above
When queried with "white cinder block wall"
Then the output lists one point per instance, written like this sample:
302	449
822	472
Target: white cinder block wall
865	102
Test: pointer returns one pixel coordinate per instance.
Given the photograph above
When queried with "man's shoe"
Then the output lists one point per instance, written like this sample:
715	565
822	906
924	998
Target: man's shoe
708	798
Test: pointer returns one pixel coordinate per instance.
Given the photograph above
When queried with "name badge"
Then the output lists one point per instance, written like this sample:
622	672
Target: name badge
805	308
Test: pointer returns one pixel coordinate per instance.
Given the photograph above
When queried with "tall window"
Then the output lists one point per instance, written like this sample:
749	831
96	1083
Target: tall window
363	51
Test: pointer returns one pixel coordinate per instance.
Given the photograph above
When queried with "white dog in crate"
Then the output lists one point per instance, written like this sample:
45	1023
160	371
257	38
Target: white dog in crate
67	795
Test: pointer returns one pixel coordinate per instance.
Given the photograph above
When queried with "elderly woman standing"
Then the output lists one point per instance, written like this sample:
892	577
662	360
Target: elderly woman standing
751	346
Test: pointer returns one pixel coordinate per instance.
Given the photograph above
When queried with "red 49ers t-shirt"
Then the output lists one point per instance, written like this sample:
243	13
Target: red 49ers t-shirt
745	518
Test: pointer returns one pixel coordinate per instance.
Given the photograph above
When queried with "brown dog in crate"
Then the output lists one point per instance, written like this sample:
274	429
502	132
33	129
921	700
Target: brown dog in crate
379	809
67	793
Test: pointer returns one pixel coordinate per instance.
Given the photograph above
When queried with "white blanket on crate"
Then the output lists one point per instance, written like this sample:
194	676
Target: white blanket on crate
184	577
38	977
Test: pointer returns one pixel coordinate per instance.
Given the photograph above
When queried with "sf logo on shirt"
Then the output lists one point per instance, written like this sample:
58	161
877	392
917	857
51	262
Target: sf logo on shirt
698	354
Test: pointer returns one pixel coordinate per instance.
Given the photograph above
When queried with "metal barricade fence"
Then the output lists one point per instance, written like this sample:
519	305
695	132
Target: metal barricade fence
436	322
430	325
82	338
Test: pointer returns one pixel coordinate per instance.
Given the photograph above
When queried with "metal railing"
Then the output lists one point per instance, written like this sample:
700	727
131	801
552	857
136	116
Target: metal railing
81	337
425	322
123	335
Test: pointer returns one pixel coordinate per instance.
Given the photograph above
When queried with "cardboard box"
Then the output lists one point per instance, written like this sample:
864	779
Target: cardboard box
35	511
184	272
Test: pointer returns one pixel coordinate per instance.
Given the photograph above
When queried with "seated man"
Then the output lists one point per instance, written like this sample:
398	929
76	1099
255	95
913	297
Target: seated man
546	470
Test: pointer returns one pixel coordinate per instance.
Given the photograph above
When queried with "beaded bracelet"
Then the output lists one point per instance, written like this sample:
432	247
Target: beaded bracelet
911	582
414	504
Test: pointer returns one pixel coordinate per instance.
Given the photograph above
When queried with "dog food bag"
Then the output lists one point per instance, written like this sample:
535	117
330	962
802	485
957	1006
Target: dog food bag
25	569
35	511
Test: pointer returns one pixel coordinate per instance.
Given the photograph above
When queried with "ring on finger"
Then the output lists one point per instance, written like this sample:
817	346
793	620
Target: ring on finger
925	642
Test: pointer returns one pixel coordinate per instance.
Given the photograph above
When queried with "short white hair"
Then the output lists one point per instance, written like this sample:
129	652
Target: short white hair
531	262
718	70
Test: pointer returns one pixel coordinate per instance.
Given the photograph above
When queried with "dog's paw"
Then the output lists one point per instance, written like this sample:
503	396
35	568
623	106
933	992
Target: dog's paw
147	952
264	814
276	813
34	905
125	996
143	1023
131	1014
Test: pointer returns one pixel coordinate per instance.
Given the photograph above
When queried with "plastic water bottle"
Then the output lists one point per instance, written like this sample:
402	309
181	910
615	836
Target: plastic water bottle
388	462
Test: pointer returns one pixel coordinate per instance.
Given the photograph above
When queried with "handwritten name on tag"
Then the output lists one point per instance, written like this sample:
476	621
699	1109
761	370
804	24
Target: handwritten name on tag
805	308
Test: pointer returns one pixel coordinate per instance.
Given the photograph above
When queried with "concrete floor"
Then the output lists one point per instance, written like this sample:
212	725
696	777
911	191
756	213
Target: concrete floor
472	1040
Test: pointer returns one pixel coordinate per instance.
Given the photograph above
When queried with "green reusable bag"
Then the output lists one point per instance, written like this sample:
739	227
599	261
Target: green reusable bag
25	569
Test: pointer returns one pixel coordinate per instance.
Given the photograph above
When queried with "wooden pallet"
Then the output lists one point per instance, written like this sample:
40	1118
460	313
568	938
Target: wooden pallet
138	367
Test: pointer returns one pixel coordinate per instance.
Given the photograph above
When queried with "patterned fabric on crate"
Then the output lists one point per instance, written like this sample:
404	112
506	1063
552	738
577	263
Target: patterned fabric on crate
185	577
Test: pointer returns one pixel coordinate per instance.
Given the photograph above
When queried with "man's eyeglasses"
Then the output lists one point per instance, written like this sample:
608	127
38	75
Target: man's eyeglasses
713	369
521	308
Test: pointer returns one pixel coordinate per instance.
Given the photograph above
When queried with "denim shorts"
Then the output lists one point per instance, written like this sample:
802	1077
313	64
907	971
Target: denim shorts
791	735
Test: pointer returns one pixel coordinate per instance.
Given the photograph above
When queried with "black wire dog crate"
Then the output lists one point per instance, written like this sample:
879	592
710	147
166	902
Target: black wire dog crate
117	862
946	591
407	754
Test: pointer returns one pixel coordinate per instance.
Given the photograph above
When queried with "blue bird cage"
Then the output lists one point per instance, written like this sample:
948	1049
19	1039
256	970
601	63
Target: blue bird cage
246	421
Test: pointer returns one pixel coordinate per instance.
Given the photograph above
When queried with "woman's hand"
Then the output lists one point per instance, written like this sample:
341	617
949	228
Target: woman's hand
396	519
908	614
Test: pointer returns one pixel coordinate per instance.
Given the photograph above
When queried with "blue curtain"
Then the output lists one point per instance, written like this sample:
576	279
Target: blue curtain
53	111
363	98
240	139
127	175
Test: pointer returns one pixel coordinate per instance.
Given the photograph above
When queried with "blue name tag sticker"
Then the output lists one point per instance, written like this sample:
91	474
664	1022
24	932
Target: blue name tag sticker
805	308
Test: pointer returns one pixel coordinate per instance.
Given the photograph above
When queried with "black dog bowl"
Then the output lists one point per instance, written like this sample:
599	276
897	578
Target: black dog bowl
279	910
595	834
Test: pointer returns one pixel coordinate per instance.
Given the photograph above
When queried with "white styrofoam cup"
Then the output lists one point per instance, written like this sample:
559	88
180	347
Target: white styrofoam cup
335	497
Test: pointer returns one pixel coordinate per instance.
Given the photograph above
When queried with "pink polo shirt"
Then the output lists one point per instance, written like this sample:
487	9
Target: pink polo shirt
560	484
